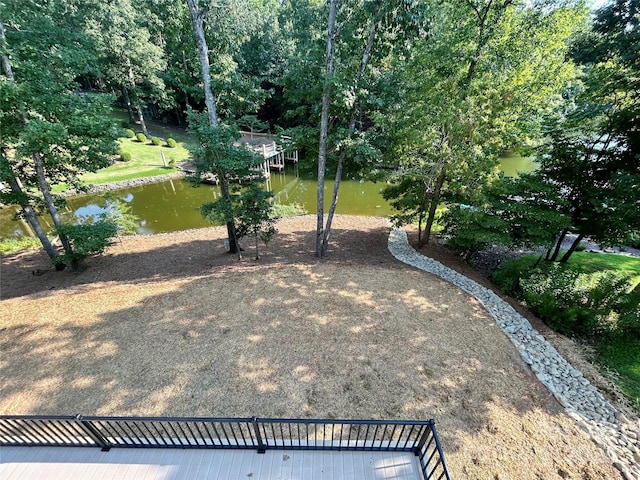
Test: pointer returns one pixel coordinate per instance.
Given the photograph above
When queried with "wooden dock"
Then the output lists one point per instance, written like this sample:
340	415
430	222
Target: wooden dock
274	155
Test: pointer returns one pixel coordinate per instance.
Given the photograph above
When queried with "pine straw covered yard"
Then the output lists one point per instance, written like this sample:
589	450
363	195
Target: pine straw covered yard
169	325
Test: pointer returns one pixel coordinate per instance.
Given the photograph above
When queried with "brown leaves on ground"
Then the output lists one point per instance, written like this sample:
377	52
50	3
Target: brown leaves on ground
171	325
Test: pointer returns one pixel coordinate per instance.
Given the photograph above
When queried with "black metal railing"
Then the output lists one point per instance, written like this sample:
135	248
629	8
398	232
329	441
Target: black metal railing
261	434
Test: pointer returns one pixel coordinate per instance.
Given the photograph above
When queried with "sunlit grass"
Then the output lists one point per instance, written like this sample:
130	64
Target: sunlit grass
13	245
146	161
595	262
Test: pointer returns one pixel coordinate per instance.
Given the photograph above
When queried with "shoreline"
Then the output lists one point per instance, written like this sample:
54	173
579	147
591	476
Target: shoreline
134	182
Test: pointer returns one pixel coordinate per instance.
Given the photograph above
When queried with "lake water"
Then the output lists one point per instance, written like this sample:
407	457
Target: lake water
174	204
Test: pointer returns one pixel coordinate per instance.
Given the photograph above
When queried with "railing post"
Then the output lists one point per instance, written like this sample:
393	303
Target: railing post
93	432
262	447
423	439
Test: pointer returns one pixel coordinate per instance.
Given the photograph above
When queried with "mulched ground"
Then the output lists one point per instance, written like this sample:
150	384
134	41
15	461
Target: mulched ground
172	325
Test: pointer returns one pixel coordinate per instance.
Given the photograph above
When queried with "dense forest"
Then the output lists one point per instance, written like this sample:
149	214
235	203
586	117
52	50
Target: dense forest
423	95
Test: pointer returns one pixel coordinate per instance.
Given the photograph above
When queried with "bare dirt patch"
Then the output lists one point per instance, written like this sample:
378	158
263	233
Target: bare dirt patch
171	325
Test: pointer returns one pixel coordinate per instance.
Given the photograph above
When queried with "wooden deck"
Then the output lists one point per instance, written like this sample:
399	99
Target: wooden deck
274	153
90	463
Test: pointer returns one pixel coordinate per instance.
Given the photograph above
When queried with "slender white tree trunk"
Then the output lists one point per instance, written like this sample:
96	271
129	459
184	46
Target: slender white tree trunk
203	53
324	124
352	126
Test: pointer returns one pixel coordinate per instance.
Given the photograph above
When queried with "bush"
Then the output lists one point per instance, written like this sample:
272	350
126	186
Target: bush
129	133
171	143
125	156
172	163
86	240
156	141
124	123
576	303
629	322
141	137
507	276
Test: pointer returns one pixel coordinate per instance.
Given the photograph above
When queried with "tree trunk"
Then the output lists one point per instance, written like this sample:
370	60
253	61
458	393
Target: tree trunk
127	101
49	201
324	125
234	247
143	125
203	54
352	125
574	245
31	217
433	205
556	251
423	204
255	234
332	208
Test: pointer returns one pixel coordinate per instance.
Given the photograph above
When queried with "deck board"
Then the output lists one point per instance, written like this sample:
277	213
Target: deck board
88	463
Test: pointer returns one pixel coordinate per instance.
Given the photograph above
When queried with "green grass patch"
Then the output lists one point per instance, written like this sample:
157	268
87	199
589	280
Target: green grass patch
621	354
156	128
146	161
583	262
596	262
13	245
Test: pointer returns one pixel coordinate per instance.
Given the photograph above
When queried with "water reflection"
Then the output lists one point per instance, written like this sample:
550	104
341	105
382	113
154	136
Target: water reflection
175	204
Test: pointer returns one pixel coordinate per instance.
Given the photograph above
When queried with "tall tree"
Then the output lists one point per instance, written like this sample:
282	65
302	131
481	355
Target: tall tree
218	152
588	176
375	30
476	87
593	156
51	134
131	62
324	126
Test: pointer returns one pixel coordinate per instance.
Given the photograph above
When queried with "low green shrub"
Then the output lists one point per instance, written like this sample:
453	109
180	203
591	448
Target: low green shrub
125	156
576	303
141	137
172	163
86	240
171	143
156	141
130	133
629	321
507	276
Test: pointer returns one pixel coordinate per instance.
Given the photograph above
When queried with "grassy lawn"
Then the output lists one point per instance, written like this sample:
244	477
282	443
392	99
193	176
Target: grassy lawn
589	263
156	128
621	354
146	158
146	161
594	262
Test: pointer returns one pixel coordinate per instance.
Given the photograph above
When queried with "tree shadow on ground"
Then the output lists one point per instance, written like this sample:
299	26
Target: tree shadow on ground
193	254
289	341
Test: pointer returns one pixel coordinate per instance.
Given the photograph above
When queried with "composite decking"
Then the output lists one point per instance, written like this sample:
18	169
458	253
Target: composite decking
85	463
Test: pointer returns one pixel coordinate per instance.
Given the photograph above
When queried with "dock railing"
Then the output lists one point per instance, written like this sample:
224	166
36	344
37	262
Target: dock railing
260	434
